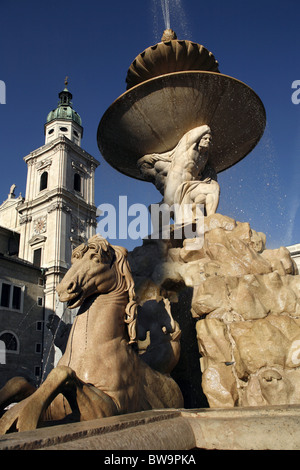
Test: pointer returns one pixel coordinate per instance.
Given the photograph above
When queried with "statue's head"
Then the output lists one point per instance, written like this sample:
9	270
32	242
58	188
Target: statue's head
205	142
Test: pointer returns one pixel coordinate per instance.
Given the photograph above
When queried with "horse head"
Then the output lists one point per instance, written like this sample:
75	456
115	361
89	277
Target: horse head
92	272
99	268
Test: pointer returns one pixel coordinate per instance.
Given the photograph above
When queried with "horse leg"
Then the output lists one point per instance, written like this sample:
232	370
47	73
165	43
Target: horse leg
15	390
89	401
93	403
26	414
84	401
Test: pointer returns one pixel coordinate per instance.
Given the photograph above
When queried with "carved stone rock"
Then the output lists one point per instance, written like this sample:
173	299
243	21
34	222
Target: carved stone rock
245	302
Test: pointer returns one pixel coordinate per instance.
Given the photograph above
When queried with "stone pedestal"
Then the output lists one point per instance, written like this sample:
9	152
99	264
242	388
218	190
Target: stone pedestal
265	428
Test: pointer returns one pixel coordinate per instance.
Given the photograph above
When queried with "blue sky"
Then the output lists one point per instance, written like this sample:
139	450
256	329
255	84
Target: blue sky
94	43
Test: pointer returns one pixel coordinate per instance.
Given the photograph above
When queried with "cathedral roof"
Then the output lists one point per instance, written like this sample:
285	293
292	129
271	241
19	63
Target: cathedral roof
64	108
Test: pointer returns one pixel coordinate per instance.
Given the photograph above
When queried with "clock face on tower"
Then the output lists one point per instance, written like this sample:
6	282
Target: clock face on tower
39	225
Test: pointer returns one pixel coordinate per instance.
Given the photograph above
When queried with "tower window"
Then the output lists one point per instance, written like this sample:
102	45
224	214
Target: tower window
44	181
76	133
51	131
37	257
77	182
63	129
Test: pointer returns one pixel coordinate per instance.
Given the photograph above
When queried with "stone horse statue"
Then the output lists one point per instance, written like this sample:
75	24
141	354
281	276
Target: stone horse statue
100	373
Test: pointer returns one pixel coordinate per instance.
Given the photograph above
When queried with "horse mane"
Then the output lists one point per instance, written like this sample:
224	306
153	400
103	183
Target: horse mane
118	255
131	307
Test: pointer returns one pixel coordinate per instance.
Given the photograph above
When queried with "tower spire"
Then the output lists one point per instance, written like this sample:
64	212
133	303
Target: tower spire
64	120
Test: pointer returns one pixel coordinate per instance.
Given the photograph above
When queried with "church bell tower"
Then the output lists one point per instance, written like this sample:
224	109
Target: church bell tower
58	212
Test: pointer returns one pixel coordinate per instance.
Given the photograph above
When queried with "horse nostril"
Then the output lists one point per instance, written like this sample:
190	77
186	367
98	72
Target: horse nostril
71	287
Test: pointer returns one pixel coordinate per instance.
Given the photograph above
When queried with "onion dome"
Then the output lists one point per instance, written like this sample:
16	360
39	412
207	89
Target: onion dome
64	108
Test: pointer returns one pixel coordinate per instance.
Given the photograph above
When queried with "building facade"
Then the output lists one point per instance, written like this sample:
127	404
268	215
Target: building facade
21	313
58	211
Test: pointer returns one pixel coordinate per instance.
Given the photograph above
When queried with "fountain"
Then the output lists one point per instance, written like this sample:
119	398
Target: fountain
173	87
242	297
147	317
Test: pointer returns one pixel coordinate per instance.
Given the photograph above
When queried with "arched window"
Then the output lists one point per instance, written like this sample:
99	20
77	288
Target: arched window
10	340
44	180
77	182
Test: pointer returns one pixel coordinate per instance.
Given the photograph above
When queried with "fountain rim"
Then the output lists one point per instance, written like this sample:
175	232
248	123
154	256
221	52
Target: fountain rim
132	90
179	72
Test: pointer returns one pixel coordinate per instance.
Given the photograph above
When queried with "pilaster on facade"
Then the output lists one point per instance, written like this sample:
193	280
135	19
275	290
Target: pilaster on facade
58	212
60	160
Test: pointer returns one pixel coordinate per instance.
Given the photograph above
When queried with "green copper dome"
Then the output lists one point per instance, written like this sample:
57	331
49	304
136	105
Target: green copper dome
64	108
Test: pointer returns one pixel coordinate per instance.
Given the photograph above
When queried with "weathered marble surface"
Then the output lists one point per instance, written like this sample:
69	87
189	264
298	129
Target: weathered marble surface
256	428
245	300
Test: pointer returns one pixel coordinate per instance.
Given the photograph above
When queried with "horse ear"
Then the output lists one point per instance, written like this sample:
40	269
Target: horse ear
78	252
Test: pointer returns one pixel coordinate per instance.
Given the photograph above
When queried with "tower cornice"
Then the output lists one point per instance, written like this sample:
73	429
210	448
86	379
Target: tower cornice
66	144
57	198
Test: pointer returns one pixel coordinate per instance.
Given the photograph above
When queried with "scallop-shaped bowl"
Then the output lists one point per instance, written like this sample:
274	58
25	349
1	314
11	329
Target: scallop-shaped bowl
153	116
168	57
